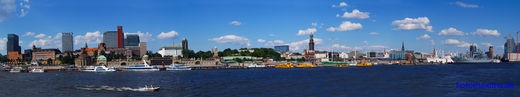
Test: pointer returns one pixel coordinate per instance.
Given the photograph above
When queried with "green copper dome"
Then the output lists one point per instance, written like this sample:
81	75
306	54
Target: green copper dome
102	58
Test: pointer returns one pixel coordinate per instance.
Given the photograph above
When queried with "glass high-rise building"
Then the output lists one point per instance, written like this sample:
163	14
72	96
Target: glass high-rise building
13	43
67	42
282	48
184	43
132	40
110	39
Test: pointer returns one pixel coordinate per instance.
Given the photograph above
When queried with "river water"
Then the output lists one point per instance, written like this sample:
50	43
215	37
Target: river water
392	80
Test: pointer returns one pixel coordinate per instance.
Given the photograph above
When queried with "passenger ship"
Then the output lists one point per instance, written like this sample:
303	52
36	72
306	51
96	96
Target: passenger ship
141	67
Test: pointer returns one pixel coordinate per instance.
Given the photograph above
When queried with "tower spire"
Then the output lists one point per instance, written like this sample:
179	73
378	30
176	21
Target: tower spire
402	46
311	43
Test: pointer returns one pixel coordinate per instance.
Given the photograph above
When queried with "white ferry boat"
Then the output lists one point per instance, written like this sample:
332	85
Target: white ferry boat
141	67
177	67
98	69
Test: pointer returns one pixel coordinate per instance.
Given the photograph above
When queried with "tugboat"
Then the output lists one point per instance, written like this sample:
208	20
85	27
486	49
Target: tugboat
142	67
177	67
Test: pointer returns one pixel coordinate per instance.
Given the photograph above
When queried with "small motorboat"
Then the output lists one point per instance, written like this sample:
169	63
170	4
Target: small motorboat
37	70
147	88
16	69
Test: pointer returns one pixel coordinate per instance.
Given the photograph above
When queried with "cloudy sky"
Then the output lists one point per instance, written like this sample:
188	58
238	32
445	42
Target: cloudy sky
342	25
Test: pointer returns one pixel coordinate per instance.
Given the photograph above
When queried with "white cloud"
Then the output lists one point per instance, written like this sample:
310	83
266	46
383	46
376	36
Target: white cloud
28	34
299	45
432	42
373	33
346	26
425	36
233	39
171	34
269	43
278	41
356	14
451	32
486	32
456	43
272	43
24	8
236	23
486	44
261	40
41	35
47	41
421	23
143	36
307	31
3	43
370	47
89	37
465	5
338	46
452	41
7	7
341	4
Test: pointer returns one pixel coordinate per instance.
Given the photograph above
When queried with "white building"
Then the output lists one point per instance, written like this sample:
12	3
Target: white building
320	55
173	50
343	55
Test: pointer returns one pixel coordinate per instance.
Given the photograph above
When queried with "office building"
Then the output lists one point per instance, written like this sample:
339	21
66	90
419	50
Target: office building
110	39
282	48
142	49
174	51
67	42
132	40
13	43
120	37
184	43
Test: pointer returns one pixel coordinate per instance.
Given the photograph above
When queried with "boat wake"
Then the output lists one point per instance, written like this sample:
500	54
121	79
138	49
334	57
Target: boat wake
109	88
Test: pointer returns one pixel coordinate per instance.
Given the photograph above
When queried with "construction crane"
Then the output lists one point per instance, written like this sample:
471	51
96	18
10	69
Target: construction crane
517	52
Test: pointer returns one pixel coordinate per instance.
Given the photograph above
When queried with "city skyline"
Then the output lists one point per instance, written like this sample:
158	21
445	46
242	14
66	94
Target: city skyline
342	25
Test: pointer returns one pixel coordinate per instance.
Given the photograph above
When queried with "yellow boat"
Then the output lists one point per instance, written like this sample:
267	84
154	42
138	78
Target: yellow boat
288	65
305	66
345	65
363	64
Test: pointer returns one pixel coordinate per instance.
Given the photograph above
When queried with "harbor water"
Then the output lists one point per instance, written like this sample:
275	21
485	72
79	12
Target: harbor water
389	80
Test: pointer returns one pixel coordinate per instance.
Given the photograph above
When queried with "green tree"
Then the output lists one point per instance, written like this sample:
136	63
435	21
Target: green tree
102	52
95	53
239	60
49	61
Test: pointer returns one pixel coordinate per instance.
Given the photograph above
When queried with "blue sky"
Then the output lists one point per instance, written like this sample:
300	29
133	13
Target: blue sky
342	25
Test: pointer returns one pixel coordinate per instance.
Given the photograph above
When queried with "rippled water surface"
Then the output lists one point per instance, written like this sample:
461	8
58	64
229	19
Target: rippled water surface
431	80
